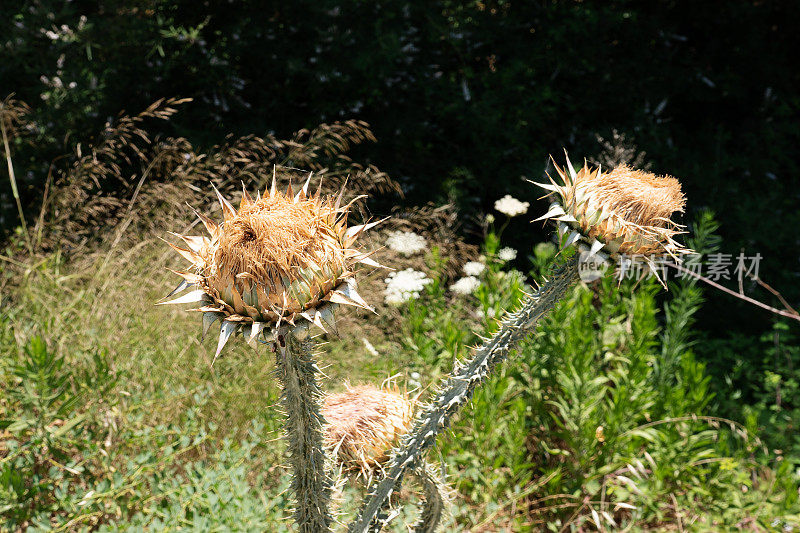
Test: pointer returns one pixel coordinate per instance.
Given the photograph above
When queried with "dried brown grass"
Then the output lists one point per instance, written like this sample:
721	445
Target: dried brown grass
129	185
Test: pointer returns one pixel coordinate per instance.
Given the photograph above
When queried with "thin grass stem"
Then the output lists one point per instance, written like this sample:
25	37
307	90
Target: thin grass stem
14	184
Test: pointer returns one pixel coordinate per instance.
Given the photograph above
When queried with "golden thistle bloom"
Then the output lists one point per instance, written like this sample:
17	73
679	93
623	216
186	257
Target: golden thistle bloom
364	423
281	258
624	211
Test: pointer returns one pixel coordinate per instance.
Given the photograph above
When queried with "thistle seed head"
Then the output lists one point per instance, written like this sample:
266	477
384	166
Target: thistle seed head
623	211
281	258
364	423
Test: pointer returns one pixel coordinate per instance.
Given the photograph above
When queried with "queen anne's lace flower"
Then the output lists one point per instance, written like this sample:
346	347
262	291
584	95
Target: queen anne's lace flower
507	254
406	242
404	285
474	268
510	206
490	312
465	285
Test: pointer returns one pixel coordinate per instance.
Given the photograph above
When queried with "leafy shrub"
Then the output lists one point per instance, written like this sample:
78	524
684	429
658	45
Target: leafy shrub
53	422
216	494
69	459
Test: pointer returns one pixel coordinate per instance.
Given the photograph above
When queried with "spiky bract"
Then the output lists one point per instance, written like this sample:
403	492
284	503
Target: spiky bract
364	423
281	258
623	211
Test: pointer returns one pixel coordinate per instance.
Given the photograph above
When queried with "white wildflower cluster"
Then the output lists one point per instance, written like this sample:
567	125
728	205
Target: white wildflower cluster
63	32
56	83
507	254
490	312
404	285
474	268
406	242
465	285
510	206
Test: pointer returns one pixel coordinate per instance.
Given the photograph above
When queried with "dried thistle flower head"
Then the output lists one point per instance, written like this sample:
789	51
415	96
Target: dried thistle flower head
623	211
364	423
281	258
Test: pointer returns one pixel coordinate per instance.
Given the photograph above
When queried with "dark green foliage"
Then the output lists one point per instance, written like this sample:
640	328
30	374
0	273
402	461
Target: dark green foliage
212	495
464	97
434	331
764	388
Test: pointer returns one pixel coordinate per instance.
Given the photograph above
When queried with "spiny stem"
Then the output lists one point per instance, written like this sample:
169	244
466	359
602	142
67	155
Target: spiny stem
432	504
457	389
434	489
301	397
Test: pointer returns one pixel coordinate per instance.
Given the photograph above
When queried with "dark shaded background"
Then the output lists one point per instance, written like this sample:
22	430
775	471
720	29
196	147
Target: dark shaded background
465	99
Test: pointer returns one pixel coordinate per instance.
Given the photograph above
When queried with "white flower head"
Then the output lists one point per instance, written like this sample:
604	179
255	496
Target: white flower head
474	268
490	312
404	285
507	254
465	285
510	206
406	242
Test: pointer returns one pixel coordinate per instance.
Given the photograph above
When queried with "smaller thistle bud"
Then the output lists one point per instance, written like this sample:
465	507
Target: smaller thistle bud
363	424
283	258
624	211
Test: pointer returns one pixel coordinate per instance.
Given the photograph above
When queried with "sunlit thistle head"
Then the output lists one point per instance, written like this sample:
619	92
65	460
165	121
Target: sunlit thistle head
283	258
623	211
363	424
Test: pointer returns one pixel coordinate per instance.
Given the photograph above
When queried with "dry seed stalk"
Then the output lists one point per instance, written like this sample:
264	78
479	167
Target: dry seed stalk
11	111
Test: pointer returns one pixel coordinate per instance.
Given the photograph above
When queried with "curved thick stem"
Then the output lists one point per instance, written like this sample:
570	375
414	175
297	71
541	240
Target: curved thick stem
457	389
301	398
434	493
